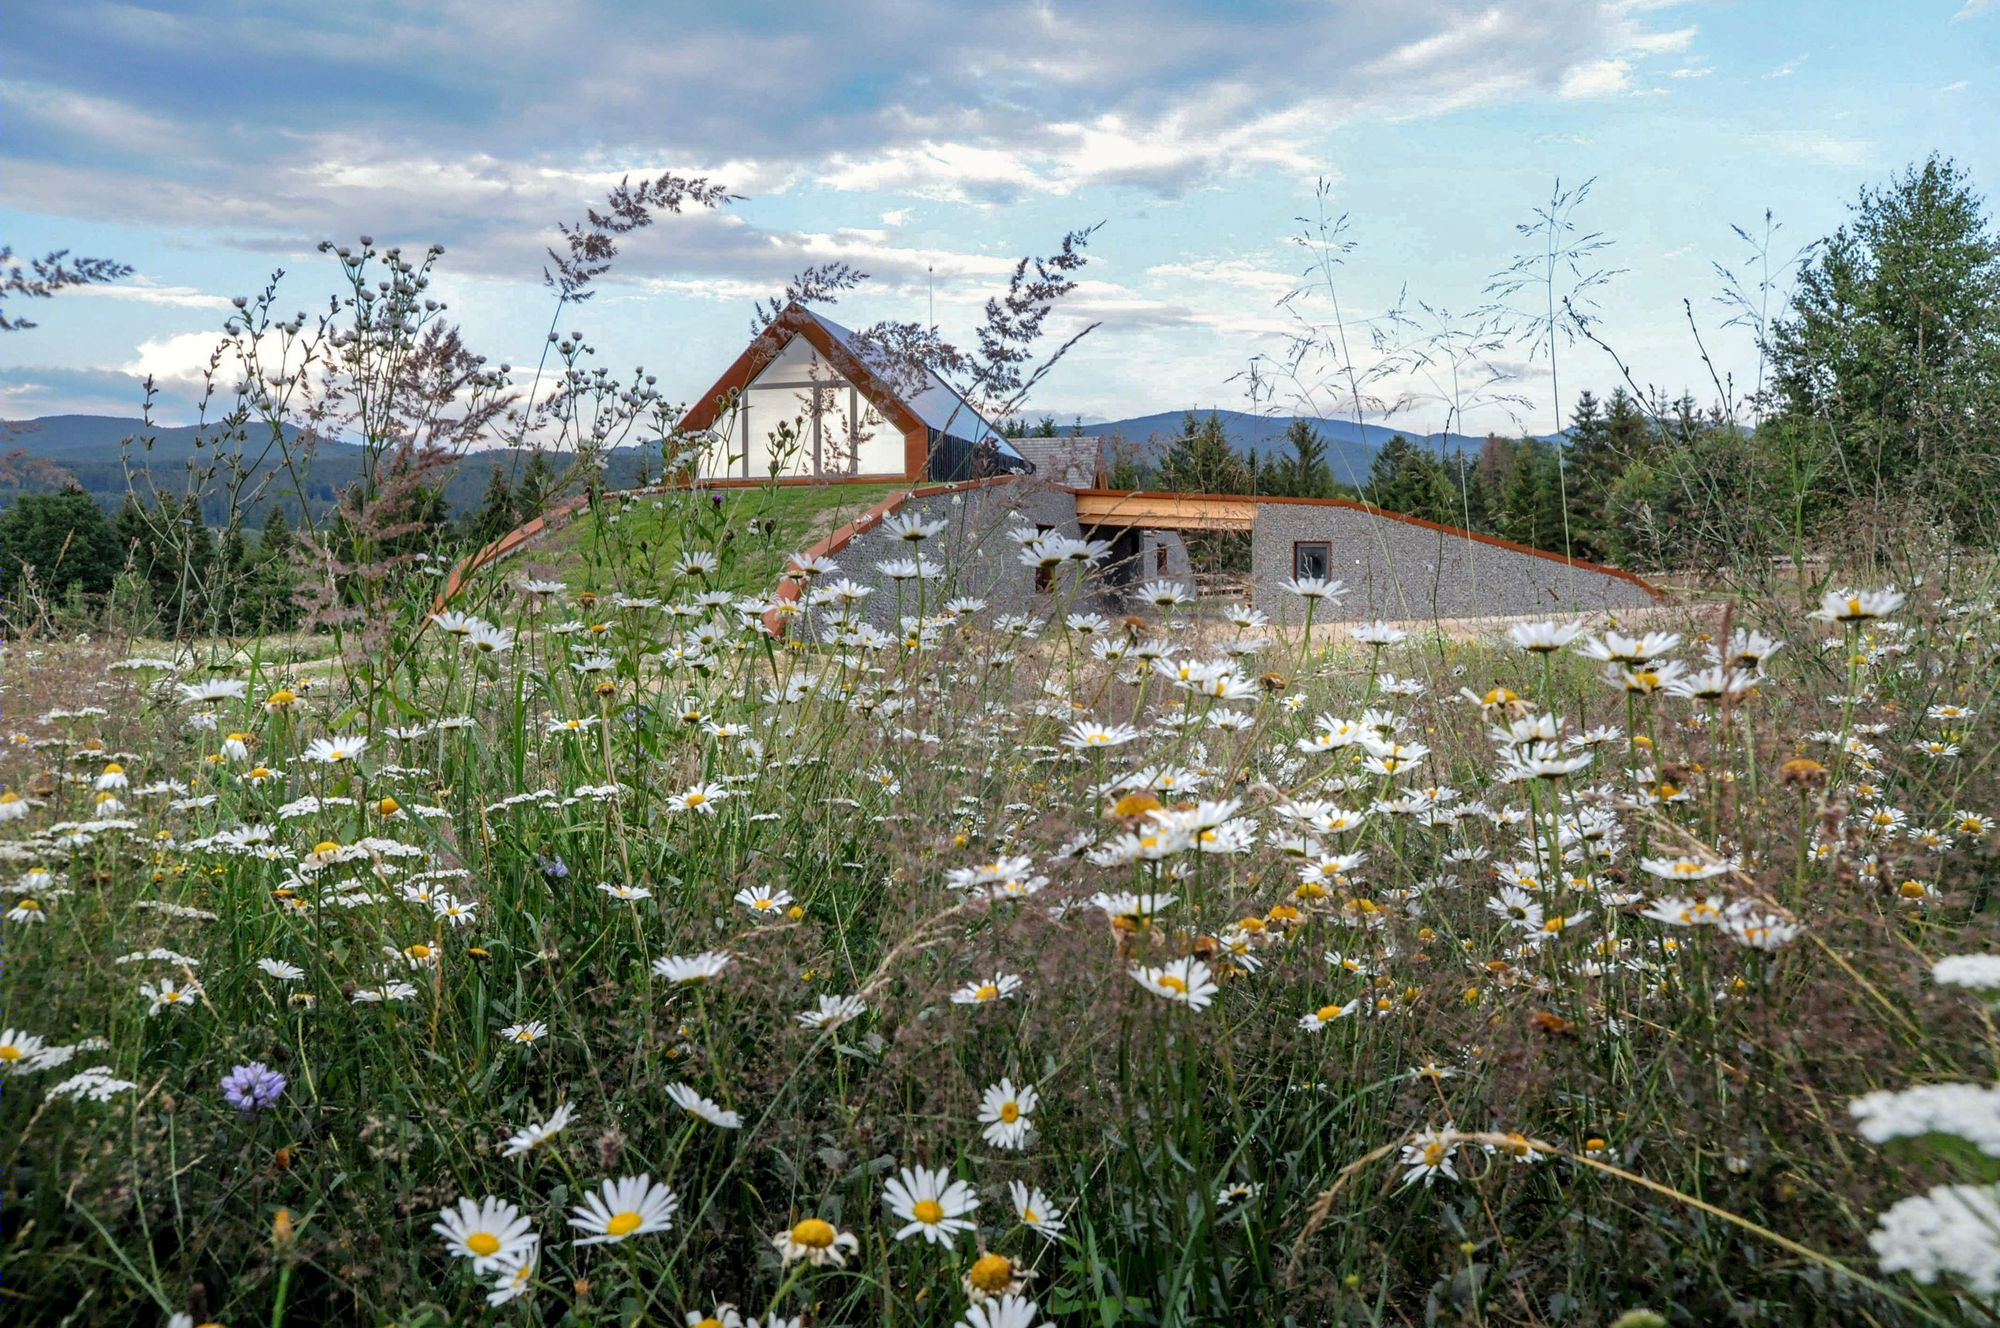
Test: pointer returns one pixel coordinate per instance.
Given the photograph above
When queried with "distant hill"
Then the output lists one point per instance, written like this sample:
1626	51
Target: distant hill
89	448
1350	447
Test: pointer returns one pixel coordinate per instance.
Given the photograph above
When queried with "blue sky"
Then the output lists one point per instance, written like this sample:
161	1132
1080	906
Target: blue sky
212	141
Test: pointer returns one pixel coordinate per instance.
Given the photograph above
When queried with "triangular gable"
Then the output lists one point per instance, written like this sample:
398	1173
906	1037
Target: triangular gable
797	321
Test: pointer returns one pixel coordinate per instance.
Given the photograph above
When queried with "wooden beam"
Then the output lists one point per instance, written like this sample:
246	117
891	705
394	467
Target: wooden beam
1164	511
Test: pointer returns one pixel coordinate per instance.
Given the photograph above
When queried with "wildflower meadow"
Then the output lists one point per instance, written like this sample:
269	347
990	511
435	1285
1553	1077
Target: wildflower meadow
630	948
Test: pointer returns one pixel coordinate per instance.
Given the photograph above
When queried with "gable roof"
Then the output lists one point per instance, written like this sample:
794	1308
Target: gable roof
938	408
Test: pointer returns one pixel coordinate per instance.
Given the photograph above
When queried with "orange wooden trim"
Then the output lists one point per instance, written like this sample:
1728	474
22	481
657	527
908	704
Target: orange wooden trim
1371	510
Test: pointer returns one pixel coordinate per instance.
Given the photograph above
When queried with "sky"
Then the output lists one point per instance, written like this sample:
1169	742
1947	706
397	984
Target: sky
210	143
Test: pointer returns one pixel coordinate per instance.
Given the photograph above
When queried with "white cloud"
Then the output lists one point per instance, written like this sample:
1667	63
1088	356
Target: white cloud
1831	149
1790	67
1599	78
1691	71
1957	85
143	291
1972	9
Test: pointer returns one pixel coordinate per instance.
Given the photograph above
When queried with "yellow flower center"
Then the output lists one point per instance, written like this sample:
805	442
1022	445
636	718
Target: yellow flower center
32	905
696	798
928	1211
987	991
326	846
992	1273
710	1322
1010	1112
1326	1014
388	807
1172	983
418	951
813	1233
483	1243
622	1224
1433	1154
9	1052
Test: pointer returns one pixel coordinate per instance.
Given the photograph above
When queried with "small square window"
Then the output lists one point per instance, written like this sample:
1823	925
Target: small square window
1312	558
1160	557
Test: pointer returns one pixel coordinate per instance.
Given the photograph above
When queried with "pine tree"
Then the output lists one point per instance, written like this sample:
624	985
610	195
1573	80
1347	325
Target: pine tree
273	578
531	495
496	513
1306	473
1407	478
1201	460
64	538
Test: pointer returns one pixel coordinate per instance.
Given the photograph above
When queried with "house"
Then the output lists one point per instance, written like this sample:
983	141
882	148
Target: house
807	399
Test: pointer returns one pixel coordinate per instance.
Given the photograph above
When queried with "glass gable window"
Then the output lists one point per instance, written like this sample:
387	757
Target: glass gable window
1312	558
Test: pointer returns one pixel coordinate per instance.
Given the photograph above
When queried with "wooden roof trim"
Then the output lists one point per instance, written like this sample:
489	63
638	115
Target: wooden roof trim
1371	510
767	345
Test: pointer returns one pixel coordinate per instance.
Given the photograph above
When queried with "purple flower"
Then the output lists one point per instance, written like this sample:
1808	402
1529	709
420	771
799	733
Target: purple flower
253	1087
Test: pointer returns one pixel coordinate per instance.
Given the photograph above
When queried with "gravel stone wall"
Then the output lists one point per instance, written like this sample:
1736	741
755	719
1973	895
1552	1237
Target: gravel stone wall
1399	570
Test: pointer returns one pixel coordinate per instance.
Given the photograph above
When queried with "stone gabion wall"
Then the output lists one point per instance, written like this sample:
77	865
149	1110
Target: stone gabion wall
977	555
1401	570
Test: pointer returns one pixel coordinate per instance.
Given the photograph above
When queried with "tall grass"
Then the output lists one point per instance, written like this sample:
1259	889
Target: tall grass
1634	1114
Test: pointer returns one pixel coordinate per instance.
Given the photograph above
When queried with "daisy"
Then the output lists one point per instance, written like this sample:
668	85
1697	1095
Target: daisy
1685	912
993	1276
526	1033
485	1231
930	1204
701	798
815	1241
626	892
20	1051
1183	981
1036	1211
1856	606
1429	1155
27	910
169	995
1542	638
833	1011
768	902
1327	1014
1006	1114
537	1133
514	1275
1008	1311
999	987
281	970
692	969
1682	869
724	1315
1084	735
334	751
694	1104
630	1206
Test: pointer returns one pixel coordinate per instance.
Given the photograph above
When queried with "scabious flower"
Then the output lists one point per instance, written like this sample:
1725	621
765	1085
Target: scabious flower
253	1087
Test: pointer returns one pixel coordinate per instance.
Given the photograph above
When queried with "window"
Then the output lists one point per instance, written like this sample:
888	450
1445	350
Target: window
1311	558
1160	557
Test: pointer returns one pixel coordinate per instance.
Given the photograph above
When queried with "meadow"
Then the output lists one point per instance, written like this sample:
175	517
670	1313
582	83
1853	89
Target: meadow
591	954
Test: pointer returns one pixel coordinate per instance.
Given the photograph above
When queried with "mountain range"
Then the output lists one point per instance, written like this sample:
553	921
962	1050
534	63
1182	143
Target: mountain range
92	450
1350	447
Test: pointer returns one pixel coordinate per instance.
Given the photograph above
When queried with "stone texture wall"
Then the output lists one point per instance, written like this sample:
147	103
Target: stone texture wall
974	548
1397	569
